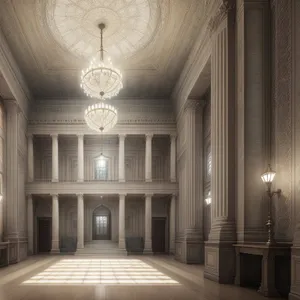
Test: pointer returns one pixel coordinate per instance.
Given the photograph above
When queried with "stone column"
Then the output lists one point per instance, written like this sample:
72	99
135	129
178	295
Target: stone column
122	157
172	224
193	245
80	222
30	158
30	224
219	252
122	244
55	225
11	200
148	158
80	159
54	157
173	158
148	224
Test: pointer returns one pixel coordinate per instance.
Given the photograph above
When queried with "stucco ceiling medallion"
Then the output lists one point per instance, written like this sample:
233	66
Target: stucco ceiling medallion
131	24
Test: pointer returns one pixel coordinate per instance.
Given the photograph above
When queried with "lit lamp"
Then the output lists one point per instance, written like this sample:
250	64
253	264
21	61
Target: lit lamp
267	178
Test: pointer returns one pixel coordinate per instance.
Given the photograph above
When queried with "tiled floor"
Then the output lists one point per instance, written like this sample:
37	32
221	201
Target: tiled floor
128	278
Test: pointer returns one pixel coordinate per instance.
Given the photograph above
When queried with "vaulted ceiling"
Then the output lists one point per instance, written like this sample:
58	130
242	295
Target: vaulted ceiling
53	40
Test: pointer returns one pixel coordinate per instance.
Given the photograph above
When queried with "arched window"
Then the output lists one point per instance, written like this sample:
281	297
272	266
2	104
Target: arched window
101	168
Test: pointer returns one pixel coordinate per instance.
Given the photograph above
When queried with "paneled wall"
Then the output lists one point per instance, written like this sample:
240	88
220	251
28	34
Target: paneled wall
93	147
2	166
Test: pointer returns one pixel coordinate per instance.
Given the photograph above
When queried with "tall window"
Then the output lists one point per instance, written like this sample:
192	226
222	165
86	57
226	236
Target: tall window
101	168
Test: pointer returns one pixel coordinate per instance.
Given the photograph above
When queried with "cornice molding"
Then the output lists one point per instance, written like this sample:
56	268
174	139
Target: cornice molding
14	77
91	188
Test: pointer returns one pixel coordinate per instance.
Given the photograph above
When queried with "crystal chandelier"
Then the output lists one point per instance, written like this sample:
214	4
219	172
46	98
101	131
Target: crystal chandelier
101	117
101	79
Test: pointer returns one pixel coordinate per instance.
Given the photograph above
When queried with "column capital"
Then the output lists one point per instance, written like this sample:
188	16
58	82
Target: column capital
173	136
149	135
79	195
54	135
28	195
54	195
123	195
174	195
225	7
122	135
11	105
148	195
29	135
80	135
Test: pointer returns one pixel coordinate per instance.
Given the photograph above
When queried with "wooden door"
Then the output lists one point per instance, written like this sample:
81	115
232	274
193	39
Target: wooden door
101	227
159	235
44	235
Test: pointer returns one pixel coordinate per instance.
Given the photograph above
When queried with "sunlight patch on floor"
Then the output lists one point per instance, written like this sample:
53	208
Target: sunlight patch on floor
101	271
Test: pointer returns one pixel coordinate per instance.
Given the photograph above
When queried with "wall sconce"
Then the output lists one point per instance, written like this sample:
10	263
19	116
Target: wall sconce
267	178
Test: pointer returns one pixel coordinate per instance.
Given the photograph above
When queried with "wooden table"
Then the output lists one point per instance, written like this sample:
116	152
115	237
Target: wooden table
4	254
268	253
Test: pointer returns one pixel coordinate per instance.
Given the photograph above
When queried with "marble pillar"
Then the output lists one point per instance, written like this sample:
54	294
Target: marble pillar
11	201
80	222
173	158
30	158
30	224
192	245
55	225
148	224
148	158
172	224
219	250
122	157
122	244
54	157
80	159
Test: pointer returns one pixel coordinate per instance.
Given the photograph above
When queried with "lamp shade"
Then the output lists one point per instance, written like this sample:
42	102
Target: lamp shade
268	176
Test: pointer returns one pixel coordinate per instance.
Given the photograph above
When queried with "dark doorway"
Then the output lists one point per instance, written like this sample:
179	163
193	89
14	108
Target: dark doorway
159	235
44	234
101	223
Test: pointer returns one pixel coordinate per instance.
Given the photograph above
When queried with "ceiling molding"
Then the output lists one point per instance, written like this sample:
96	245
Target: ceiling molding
197	60
13	76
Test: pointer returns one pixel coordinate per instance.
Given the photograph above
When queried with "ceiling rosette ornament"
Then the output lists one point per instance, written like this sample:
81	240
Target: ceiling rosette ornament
131	24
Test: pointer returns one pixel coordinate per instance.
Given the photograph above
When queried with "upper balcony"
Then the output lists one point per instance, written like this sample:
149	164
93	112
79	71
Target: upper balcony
77	164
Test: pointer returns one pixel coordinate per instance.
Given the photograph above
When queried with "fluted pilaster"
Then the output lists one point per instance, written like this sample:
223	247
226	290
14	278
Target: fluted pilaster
173	158
30	224
55	225
148	224
148	158
172	224
80	221
122	221
80	159
122	157
12	217
222	235
30	158
54	157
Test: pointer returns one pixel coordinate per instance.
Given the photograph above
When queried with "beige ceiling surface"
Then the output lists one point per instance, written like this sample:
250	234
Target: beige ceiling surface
52	40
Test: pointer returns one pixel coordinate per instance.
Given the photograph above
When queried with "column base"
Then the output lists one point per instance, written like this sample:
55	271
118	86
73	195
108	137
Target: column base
121	180
148	180
148	252
190	249
219	262
54	180
55	251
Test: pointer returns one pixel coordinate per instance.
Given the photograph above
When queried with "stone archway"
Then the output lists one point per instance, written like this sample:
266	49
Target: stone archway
101	223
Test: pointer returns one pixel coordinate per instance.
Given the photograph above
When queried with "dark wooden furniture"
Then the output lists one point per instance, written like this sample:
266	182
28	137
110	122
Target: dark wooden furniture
268	261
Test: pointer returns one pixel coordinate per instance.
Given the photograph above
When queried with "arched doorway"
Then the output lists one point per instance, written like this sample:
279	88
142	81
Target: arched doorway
101	223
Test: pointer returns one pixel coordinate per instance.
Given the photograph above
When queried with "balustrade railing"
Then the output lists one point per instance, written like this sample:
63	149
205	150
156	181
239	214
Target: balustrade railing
132	180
